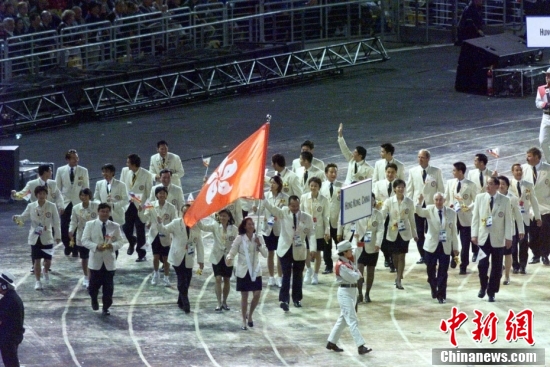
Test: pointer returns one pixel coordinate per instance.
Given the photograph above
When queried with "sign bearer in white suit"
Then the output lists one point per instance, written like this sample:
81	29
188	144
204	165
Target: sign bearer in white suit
441	241
358	168
491	230
291	248
102	237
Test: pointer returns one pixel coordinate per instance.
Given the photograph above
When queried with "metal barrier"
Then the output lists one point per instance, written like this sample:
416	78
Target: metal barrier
215	25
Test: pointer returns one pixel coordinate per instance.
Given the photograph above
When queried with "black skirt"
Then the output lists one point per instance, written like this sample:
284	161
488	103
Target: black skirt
399	246
221	269
247	285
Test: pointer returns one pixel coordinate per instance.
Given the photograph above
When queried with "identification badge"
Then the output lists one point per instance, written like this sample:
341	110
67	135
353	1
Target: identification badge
489	221
39	229
521	207
271	220
443	236
297	240
401	225
368	236
190	248
457	206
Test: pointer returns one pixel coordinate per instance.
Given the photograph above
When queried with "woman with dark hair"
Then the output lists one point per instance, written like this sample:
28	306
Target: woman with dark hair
401	227
224	232
160	242
83	212
248	269
272	228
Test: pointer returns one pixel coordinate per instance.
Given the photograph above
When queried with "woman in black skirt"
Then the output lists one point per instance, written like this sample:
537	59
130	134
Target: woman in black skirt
248	270
224	234
401	227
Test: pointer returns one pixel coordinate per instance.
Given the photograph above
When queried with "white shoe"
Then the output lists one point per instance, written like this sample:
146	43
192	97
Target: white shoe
38	285
271	281
279	282
85	282
46	276
166	281
314	280
308	276
154	278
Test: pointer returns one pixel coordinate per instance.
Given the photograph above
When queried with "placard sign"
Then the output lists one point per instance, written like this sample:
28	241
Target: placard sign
356	201
538	31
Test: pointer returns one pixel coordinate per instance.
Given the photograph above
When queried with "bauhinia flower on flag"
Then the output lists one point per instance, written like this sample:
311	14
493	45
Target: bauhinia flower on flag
494	152
241	174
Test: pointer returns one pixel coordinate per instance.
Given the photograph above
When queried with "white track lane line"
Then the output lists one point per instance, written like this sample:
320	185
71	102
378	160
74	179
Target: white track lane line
130	325
64	324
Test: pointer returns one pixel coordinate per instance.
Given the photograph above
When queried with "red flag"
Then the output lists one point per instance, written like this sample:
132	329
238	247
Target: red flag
241	174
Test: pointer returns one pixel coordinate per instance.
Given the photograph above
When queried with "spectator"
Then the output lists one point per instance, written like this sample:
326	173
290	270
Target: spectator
78	18
471	23
47	21
94	10
23	13
20	28
119	12
36	23
9	27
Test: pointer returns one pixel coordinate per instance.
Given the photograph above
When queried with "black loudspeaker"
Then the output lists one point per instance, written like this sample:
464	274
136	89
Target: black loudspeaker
9	170
479	54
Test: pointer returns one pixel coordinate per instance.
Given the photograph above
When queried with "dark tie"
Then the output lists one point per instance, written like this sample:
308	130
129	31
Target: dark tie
491	205
305	177
134	177
71	175
294	219
440	216
46	184
534	175
279	174
481	178
166	188
389	189
519	189
163	162
458	187
331	189
424	175
355	168
187	229
107	187
104	230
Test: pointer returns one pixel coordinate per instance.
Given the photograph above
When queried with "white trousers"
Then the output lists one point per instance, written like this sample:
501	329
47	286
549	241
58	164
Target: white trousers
348	317
544	137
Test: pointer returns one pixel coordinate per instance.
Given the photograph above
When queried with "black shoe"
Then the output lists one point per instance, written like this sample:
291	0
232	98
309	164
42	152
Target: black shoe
474	258
297	304
251	324
367	298
522	270
386	264
481	293
334	347
462	272
67	251
328	271
420	261
225	307
284	306
106	313
130	250
392	269
441	300
506	282
95	304
141	259
491	298
535	260
434	294
545	260
453	264
515	271
363	350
